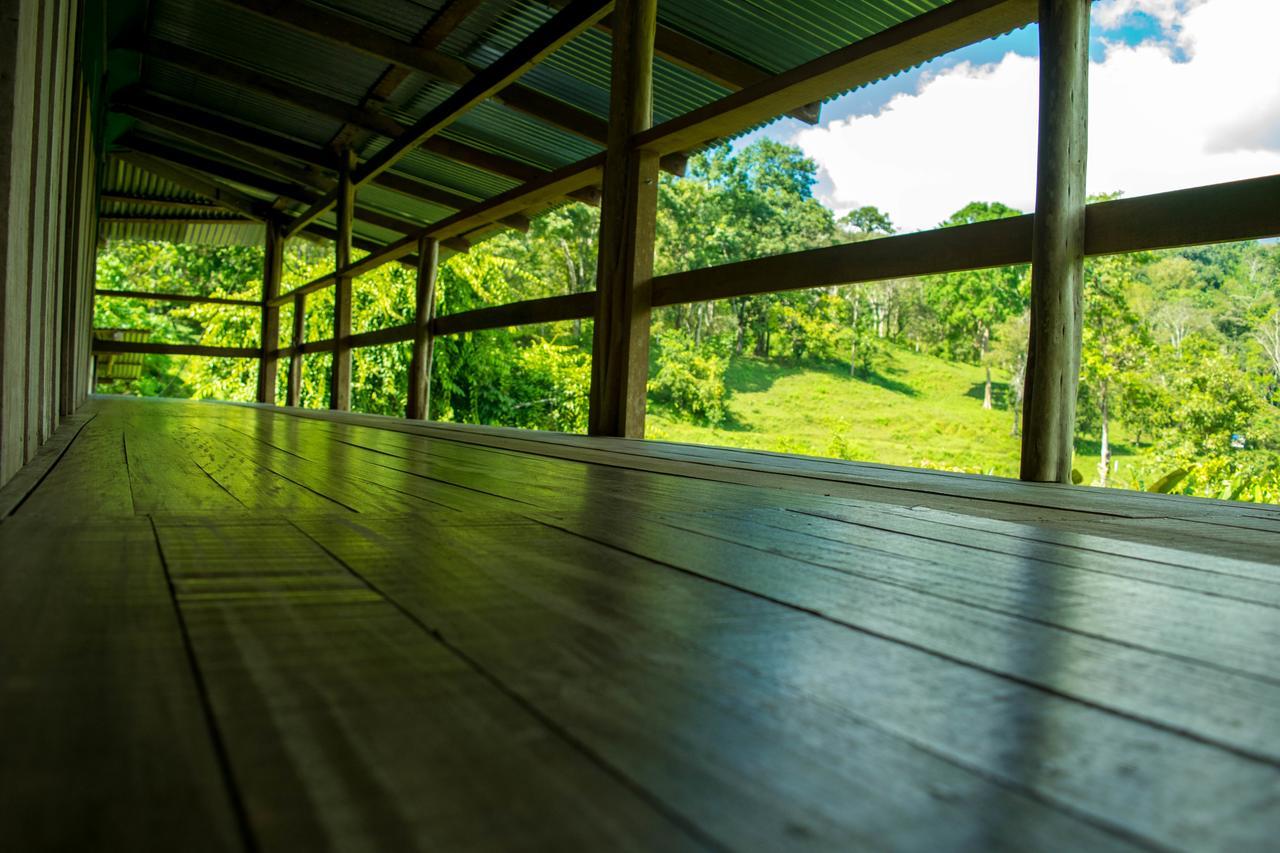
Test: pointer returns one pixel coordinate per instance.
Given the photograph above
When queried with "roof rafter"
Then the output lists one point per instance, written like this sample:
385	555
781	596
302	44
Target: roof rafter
352	34
721	68
448	19
332	108
950	27
563	27
216	169
266	151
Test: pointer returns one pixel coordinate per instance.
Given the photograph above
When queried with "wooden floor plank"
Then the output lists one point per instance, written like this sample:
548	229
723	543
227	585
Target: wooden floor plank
670	676
105	742
349	727
14	492
91	478
369	633
1179	694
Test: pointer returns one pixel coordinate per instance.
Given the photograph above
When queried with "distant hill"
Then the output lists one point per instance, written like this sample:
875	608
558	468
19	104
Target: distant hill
913	410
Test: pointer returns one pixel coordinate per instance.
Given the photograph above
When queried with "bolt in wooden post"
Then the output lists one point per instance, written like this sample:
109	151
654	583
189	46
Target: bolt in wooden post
419	406
272	270
1057	253
293	393
340	374
620	355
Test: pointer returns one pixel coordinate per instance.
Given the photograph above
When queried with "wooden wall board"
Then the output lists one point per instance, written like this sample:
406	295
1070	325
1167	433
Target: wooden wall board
41	150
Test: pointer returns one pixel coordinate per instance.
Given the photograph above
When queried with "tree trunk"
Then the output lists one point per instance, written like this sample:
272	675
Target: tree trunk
853	343
1016	419
1104	464
985	339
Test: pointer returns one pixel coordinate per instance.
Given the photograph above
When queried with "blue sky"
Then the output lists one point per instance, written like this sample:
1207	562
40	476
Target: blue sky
1182	94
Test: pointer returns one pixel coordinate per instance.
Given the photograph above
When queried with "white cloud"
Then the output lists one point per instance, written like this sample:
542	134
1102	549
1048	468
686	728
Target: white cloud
1109	14
1200	107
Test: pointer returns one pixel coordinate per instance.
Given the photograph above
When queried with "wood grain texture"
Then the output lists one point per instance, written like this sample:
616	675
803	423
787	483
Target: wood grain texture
293	648
418	405
1058	244
103	719
628	229
399	629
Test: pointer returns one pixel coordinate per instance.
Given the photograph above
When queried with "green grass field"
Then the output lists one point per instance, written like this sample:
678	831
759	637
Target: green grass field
913	410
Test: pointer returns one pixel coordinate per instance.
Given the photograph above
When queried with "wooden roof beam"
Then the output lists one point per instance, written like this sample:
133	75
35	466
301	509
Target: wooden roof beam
223	196
563	27
332	108
715	65
153	201
951	27
224	142
445	21
228	172
352	34
955	25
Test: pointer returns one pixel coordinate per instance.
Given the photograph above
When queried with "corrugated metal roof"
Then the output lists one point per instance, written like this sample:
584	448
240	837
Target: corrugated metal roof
773	35
210	234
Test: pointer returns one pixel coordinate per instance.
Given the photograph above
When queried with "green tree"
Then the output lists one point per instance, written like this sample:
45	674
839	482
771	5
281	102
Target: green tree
1114	340
971	304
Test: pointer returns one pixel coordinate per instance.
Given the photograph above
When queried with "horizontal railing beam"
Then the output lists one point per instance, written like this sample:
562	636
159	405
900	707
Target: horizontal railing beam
178	297
100	345
573	306
1240	210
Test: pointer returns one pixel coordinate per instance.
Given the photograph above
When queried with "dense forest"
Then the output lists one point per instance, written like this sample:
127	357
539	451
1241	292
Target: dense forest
1180	369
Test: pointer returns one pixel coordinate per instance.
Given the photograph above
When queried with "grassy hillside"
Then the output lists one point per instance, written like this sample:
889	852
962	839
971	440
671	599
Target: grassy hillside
914	410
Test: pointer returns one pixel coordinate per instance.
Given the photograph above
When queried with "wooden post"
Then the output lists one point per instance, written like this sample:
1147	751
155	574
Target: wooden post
272	270
419	406
340	374
293	394
1057	251
620	355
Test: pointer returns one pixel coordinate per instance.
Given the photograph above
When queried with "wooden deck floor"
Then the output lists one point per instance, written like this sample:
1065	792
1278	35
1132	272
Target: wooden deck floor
225	628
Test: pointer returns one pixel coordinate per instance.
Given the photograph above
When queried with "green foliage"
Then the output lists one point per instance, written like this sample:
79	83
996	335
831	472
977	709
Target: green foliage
689	378
1181	347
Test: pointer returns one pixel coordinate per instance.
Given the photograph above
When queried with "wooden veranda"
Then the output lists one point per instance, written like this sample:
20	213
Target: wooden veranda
262	627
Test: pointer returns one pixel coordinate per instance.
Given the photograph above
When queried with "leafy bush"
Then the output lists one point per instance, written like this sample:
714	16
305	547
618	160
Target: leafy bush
689	377
553	385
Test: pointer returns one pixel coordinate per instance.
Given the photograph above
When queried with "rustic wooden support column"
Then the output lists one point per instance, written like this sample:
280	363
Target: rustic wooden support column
293	393
620	355
340	374
1057	253
272	270
419	406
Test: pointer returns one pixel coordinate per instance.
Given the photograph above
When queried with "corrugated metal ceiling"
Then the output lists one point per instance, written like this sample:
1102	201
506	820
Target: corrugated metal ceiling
773	35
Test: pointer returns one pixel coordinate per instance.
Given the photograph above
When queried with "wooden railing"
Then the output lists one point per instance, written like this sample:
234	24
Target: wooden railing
627	289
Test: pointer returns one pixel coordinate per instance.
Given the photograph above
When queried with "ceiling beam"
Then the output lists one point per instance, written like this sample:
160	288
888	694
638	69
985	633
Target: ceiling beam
919	39
719	67
334	109
448	19
226	197
152	201
207	168
563	27
354	35
960	23
269	152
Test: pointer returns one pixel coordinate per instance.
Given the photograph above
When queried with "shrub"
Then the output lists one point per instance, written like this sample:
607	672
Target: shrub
688	377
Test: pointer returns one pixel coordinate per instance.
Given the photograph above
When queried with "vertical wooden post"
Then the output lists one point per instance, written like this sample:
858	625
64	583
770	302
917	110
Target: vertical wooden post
620	355
293	394
340	375
272	270
419	406
1057	253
